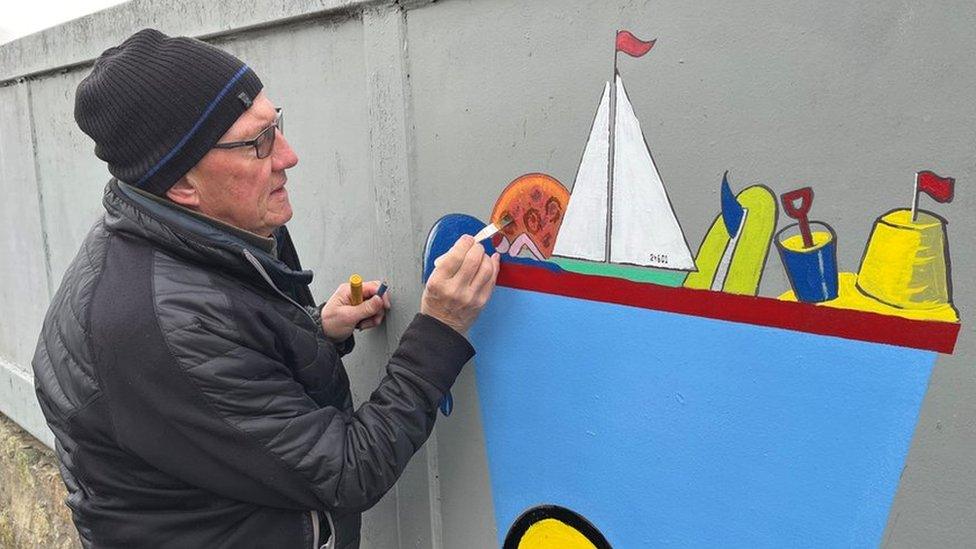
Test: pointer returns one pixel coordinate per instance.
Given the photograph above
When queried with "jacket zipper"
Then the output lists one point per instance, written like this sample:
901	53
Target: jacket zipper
315	528
267	278
329	543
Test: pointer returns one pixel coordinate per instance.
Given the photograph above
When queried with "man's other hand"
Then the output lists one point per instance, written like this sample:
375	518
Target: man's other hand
461	284
339	318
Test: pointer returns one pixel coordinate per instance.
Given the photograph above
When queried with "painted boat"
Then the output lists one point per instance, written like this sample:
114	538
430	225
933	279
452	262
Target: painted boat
619	220
693	418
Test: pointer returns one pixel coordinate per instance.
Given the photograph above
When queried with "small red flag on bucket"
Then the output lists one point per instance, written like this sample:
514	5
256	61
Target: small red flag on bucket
939	188
631	45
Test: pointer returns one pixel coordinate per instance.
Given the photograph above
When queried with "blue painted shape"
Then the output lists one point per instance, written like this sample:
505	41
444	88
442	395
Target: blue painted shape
666	429
812	273
731	209
445	233
447	404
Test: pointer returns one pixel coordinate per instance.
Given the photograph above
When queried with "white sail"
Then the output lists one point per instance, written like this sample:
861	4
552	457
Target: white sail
583	233
644	230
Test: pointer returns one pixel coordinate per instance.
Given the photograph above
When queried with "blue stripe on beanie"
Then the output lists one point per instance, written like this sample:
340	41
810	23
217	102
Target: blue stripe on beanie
195	127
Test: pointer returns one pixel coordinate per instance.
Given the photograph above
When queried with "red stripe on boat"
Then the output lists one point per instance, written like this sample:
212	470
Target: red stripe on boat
761	311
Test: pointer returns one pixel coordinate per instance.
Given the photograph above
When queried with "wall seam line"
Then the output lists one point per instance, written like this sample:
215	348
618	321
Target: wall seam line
433	453
42	211
392	186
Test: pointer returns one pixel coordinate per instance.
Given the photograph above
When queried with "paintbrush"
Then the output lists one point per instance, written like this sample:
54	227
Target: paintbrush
487	232
492	228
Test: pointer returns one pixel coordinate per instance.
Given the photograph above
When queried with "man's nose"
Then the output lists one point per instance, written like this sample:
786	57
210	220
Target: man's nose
283	155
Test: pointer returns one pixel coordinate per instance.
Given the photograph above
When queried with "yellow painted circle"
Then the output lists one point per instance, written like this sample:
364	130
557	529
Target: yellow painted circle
553	534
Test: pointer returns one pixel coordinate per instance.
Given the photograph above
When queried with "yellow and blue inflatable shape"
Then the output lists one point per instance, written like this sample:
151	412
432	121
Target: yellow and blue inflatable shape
733	253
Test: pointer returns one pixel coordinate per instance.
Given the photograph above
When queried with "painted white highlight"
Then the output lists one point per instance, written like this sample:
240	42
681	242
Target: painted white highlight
915	199
522	243
722	270
644	230
583	233
525	244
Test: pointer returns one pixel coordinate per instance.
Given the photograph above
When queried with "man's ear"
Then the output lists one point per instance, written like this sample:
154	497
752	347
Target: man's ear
184	193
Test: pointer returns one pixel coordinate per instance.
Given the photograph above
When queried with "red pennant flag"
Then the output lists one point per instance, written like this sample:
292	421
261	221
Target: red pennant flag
631	45
939	188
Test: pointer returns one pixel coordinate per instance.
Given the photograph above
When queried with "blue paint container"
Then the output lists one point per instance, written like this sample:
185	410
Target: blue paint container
812	271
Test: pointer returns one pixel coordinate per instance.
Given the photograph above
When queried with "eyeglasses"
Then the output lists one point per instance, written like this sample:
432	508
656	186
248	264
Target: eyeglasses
264	143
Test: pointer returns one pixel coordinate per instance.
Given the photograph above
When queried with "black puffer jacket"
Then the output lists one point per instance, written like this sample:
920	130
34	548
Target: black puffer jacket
196	403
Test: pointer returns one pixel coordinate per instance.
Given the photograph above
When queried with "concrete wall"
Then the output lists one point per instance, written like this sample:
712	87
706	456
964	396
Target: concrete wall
404	111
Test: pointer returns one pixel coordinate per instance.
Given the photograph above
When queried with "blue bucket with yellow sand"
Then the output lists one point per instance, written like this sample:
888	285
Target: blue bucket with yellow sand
812	270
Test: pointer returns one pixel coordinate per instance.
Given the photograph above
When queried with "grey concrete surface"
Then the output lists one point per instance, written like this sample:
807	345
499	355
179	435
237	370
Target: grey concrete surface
83	39
400	117
23	278
397	243
19	402
70	178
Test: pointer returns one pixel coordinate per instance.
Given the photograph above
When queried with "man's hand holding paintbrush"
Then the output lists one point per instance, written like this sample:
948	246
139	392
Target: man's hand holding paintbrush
456	291
460	285
462	280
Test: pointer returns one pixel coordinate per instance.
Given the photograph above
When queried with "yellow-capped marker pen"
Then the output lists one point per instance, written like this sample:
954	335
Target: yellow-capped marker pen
356	285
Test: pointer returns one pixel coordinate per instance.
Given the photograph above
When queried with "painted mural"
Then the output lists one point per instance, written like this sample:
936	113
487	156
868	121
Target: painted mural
634	394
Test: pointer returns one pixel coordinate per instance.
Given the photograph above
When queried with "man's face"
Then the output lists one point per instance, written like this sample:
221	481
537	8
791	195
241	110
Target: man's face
237	187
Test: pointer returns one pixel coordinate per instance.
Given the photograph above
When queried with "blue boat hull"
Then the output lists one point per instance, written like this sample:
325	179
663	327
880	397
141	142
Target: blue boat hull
668	429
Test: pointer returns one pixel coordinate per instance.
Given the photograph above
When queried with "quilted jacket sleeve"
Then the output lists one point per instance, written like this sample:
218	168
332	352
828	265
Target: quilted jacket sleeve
198	403
344	347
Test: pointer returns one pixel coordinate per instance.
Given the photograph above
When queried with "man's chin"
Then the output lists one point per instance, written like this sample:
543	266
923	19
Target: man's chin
283	215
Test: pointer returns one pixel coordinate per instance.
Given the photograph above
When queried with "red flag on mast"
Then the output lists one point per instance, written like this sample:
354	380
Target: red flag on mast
939	188
631	45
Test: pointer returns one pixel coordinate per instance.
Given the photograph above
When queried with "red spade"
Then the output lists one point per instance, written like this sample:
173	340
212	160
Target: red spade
797	204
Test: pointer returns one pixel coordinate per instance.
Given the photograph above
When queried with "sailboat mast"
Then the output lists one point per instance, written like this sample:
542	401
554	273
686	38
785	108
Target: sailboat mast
610	129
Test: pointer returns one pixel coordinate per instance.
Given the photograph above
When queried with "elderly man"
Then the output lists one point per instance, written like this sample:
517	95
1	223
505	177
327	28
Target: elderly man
195	390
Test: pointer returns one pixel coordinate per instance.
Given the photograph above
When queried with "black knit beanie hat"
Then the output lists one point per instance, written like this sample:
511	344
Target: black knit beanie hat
155	105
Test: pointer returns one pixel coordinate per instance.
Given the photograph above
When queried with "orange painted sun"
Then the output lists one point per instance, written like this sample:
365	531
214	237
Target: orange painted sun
537	203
